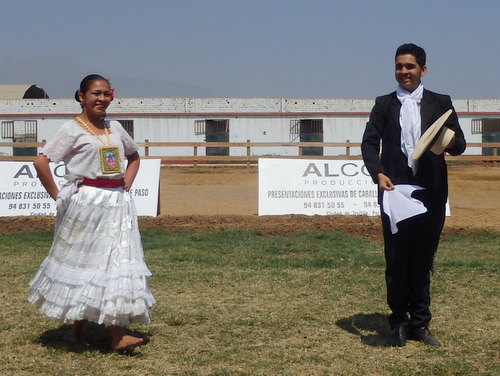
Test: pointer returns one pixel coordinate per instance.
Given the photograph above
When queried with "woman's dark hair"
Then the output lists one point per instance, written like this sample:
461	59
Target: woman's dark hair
412	49
84	85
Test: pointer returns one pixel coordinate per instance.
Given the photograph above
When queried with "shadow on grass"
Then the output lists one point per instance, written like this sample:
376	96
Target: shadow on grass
96	337
372	328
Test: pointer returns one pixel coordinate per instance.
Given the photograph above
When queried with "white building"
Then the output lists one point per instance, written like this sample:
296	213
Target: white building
231	119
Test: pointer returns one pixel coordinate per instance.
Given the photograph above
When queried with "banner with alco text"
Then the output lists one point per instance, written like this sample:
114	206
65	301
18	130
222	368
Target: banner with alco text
316	187
22	193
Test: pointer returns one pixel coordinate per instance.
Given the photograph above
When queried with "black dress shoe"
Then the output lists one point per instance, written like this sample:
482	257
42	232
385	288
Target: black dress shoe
399	335
423	334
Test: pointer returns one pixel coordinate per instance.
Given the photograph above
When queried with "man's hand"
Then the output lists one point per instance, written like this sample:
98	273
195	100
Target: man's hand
452	142
384	183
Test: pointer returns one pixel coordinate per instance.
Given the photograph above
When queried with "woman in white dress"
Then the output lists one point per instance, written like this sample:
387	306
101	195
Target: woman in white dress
95	269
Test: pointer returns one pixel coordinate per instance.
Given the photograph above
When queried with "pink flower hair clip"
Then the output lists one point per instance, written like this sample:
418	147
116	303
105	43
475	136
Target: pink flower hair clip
112	94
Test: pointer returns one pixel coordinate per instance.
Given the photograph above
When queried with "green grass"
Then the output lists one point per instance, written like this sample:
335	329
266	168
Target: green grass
243	303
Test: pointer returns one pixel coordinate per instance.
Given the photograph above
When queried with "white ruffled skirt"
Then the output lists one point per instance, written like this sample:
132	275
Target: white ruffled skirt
95	269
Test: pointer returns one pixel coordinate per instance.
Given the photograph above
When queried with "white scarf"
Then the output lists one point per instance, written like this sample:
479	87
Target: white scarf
410	121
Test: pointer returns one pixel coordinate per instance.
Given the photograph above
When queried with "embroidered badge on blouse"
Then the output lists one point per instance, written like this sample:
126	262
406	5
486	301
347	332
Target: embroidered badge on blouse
110	160
108	154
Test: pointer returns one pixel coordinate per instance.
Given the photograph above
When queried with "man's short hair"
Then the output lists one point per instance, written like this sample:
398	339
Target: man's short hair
412	49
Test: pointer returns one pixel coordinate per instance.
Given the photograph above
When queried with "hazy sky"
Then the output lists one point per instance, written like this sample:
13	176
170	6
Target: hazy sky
253	48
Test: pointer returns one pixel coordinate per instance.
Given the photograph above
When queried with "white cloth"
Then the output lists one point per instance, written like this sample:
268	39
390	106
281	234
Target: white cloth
80	150
95	269
399	205
63	198
410	121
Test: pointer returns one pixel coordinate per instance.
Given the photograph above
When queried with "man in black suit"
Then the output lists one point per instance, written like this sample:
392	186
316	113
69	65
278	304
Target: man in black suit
398	120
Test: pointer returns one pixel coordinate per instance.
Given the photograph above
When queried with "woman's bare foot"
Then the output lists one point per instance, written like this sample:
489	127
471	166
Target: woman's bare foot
77	337
122	341
127	342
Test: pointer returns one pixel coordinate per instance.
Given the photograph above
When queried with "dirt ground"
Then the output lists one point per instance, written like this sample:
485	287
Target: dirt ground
223	198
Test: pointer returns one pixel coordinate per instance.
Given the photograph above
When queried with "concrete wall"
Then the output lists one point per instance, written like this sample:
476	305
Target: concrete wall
223	105
254	119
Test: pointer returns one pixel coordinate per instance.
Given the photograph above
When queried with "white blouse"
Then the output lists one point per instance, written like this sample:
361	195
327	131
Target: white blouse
79	150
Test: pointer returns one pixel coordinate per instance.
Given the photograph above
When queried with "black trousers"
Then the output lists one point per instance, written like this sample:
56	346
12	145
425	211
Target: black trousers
409	256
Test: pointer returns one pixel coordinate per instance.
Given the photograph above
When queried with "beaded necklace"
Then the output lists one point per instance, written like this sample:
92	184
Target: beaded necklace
84	124
109	154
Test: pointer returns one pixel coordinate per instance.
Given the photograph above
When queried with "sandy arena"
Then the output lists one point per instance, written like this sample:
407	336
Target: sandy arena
225	198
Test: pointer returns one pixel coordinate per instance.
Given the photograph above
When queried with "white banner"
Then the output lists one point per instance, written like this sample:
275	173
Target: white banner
145	189
316	187
22	193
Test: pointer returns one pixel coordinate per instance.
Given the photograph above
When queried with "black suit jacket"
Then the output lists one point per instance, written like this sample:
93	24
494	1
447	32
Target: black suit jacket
383	126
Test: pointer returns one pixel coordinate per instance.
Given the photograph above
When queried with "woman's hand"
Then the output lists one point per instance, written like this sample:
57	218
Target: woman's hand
384	183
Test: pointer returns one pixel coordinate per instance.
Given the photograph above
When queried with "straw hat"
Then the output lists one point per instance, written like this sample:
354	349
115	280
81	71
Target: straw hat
436	138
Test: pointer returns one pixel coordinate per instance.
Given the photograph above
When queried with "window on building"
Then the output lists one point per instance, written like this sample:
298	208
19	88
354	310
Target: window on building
128	125
215	130
30	129
307	130
21	131
8	129
486	125
489	128
199	127
294	130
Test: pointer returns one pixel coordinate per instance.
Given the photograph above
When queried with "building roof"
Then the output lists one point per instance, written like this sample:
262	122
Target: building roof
24	91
